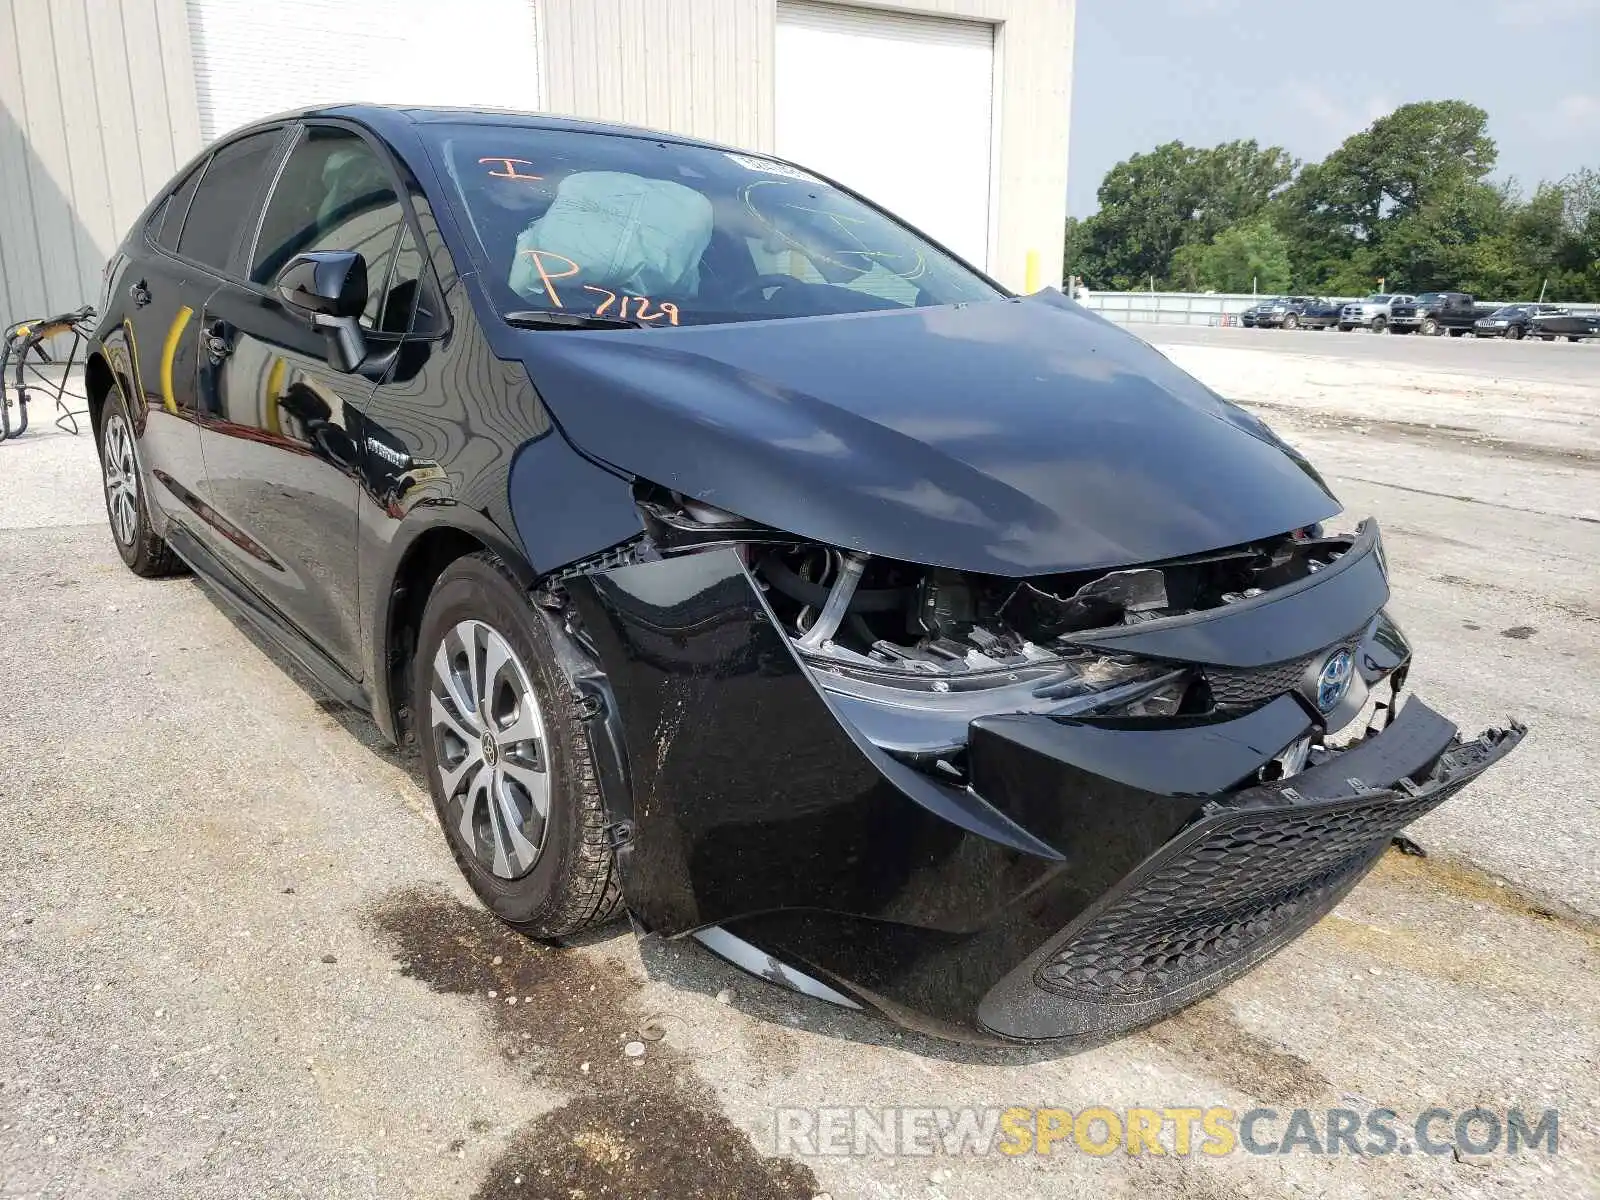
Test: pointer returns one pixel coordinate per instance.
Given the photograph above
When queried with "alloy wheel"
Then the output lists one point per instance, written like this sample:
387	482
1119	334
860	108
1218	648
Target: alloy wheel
122	479
489	739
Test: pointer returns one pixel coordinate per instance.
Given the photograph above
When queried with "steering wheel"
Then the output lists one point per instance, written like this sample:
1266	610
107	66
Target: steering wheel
749	292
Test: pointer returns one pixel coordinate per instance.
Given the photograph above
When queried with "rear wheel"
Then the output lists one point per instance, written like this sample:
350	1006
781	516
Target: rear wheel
142	549
506	758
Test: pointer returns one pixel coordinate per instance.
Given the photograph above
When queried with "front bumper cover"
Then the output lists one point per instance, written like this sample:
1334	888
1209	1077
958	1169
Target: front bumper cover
1090	876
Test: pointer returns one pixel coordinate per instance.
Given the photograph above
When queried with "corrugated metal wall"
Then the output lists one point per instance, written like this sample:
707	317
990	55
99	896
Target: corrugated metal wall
705	67
97	110
699	67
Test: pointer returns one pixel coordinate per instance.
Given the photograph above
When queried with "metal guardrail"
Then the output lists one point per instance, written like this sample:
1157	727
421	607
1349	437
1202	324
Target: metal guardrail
1207	308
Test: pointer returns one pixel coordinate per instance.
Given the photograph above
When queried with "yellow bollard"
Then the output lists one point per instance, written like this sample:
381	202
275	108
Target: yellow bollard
1031	276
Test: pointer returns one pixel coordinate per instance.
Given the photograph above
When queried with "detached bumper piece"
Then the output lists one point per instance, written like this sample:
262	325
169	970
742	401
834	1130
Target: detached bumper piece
1252	873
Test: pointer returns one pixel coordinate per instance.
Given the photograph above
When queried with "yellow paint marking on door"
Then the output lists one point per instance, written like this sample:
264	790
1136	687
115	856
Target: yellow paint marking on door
269	402
168	350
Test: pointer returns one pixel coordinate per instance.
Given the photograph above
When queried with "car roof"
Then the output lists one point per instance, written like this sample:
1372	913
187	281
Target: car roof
379	115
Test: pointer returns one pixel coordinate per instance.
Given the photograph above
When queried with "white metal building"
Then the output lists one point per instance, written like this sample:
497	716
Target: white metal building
953	113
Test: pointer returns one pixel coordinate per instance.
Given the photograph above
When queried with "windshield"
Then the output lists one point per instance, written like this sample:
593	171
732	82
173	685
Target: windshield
1377	299
1511	310
615	226
1427	297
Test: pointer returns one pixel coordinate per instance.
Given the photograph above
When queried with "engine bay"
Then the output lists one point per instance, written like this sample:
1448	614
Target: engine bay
940	622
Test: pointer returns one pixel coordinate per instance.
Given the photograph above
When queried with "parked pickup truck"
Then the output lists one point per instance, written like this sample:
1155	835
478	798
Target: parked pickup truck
1433	313
1248	317
1284	312
1373	312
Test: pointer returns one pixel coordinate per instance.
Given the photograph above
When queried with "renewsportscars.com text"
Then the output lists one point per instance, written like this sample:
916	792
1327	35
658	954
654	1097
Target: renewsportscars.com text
1176	1131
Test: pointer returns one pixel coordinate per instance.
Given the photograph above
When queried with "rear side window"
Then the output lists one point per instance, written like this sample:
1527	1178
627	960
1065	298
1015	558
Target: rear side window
170	223
335	193
225	198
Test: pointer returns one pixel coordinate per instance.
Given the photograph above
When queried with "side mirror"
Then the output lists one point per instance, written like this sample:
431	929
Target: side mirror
330	286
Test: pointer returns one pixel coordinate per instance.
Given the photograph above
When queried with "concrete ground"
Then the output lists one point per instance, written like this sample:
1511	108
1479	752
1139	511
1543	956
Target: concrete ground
236	959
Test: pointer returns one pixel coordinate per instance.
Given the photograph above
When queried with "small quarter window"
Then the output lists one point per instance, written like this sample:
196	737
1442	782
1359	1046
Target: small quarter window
169	222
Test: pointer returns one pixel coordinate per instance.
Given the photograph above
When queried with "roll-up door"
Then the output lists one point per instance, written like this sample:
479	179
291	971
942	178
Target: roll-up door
257	57
900	108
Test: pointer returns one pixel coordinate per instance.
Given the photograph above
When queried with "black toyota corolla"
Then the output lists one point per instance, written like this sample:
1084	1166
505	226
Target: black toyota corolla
738	557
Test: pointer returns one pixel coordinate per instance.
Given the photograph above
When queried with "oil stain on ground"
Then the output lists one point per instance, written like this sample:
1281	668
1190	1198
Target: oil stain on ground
633	1126
1211	1037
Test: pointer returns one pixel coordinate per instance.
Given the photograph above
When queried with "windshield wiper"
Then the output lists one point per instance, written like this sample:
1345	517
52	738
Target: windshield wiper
543	318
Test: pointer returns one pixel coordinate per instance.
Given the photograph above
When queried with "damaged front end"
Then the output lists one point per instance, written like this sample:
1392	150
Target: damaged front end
1055	807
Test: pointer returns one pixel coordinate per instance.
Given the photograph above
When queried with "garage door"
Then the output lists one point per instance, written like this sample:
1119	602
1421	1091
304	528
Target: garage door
898	108
254	58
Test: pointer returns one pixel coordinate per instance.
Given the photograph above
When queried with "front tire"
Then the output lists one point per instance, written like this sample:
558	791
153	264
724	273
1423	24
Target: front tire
1379	324
144	551
1429	327
1291	321
506	757
1515	333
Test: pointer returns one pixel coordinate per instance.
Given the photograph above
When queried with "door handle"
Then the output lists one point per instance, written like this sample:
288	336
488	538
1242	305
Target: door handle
139	293
216	342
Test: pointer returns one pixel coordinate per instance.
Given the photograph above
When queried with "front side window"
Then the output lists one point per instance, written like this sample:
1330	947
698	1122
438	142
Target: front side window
335	193
225	196
666	234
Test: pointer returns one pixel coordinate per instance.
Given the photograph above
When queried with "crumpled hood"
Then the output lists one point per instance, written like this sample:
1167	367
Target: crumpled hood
1016	437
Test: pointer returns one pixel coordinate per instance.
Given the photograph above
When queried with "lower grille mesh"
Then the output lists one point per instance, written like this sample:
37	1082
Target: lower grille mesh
1244	884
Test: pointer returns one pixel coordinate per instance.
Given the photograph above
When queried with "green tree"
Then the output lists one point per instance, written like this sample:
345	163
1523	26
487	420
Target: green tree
1405	201
1516	261
1176	195
1577	252
1415	175
1249	256
1439	245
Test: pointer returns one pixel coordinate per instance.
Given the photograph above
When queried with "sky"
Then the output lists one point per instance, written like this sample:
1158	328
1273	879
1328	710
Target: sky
1305	76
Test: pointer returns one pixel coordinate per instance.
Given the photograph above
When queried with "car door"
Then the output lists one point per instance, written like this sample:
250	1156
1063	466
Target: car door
186	244
277	416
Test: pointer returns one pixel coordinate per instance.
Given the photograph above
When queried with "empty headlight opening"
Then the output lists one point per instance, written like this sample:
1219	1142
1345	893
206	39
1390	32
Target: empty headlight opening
896	633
